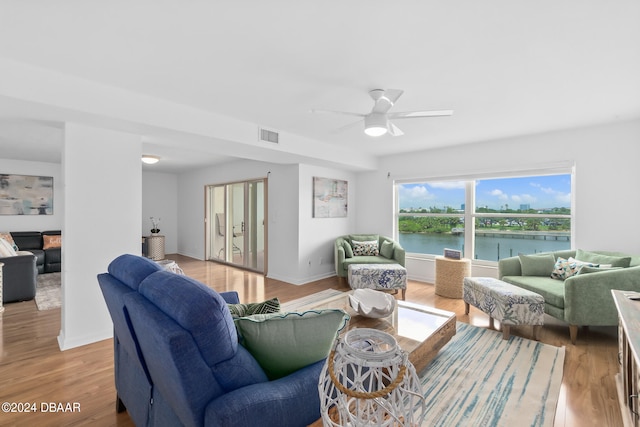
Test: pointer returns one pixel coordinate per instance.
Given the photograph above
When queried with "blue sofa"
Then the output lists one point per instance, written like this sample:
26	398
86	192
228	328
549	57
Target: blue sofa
178	361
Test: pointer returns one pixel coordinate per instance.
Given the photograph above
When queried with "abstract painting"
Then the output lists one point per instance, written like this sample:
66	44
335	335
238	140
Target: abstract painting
329	198
26	195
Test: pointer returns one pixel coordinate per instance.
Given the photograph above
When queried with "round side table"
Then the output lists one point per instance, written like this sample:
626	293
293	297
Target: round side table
450	274
155	247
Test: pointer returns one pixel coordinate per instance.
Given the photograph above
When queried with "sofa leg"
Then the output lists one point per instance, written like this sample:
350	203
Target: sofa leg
120	405
506	331
573	333
536	332
466	308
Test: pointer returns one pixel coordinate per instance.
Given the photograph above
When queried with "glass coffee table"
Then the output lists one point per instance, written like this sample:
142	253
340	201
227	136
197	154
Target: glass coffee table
421	331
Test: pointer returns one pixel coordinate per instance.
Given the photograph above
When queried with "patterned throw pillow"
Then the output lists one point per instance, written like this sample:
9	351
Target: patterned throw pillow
266	307
369	248
565	268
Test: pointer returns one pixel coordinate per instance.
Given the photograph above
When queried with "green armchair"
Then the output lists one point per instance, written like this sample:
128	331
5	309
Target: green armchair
389	252
583	299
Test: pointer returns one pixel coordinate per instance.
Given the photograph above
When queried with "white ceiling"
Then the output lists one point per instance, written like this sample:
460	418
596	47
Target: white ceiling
506	67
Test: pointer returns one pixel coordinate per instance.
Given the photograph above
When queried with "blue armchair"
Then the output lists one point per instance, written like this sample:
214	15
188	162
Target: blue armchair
181	363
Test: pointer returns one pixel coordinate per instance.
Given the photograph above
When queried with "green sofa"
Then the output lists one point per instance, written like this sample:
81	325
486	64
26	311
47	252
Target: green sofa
390	252
583	299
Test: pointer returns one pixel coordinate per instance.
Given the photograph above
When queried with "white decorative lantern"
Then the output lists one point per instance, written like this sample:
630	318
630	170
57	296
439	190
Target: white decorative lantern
368	380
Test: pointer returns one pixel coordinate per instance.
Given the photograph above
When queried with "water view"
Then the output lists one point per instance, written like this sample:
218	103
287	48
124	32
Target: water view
490	248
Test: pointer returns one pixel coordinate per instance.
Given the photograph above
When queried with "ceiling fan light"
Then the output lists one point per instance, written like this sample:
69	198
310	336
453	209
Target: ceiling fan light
150	159
375	124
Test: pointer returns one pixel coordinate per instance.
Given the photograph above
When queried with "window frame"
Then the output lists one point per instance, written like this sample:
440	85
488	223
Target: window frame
470	213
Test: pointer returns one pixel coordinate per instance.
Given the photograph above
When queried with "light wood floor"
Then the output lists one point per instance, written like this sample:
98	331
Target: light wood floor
34	370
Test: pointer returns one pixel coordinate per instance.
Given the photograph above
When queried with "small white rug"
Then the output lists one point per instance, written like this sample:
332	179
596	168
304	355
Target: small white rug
48	291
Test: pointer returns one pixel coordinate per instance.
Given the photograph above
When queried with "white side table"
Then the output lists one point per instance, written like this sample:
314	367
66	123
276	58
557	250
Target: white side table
1	306
155	247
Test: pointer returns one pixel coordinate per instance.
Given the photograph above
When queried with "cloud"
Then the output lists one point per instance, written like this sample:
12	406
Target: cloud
414	196
559	196
499	194
523	198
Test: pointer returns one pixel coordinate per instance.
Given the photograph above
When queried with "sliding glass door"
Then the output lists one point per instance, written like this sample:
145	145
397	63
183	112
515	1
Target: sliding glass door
236	225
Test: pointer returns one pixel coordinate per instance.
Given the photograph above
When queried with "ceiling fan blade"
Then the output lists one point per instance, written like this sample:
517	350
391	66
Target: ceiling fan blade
345	113
418	114
394	130
347	126
384	99
393	94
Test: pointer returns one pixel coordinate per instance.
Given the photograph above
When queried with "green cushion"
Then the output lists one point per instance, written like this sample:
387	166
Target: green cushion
363	237
241	310
348	250
552	290
615	261
282	343
386	250
587	269
368	260
537	265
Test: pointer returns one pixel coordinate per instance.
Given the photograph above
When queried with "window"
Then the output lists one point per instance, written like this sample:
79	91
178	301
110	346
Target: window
486	219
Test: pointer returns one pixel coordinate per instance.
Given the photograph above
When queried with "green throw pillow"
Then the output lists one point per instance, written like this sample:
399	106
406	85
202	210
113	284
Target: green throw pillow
386	250
363	237
285	342
242	310
537	265
615	261
348	251
586	269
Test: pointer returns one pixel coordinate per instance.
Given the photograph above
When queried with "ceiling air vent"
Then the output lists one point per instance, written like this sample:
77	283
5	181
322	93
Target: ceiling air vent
269	136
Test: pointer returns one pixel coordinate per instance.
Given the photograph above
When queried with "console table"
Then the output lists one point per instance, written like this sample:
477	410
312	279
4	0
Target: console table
627	380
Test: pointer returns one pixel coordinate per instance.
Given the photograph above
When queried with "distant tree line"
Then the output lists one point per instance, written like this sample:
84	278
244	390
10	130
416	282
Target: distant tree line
421	224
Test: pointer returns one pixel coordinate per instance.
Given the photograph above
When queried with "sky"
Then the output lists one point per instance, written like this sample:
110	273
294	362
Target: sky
539	192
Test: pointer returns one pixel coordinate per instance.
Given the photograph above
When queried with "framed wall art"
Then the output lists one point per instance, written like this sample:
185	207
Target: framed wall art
329	198
26	195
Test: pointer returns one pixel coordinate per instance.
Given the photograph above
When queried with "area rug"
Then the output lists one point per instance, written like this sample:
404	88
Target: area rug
48	293
479	379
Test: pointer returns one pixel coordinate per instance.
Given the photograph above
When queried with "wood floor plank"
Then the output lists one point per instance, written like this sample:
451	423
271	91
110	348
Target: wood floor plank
33	369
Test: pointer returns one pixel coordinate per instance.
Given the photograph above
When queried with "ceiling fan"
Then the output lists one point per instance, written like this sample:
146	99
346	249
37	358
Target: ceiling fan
377	122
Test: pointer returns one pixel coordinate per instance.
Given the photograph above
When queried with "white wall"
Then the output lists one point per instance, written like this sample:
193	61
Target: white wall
294	237
101	221
316	236
606	179
191	194
35	222
160	200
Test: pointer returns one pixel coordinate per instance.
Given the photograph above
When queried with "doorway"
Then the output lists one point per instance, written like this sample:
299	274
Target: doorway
236	224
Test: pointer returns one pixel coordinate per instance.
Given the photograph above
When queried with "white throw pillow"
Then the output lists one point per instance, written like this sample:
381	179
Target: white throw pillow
6	250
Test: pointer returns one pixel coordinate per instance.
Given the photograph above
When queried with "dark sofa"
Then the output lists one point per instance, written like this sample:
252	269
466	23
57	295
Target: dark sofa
47	260
19	275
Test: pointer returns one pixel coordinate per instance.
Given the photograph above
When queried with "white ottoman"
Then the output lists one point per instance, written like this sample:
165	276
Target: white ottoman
378	276
507	303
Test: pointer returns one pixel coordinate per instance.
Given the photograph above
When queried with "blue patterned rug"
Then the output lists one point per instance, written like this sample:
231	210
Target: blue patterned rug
479	379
